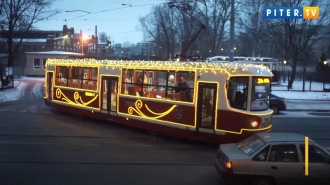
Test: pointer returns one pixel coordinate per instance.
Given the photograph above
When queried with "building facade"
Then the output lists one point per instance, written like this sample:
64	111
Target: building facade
36	61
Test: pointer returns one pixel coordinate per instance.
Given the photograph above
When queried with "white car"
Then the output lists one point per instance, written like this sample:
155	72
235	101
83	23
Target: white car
273	159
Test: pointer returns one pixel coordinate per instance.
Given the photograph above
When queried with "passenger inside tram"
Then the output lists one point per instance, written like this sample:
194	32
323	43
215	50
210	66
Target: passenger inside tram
241	98
183	88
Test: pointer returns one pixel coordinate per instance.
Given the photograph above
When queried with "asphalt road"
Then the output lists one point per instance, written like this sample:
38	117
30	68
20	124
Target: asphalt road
51	148
42	147
308	105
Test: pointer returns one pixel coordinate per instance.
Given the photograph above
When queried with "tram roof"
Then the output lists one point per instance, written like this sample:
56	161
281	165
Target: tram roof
229	67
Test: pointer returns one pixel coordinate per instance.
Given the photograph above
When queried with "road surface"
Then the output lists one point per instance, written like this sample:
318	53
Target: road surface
41	147
308	105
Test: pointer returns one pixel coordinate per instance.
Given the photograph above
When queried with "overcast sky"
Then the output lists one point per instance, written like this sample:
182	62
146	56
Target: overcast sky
118	21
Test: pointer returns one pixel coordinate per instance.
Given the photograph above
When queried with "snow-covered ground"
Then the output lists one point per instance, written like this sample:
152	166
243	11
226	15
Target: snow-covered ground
298	86
31	78
296	91
294	95
13	94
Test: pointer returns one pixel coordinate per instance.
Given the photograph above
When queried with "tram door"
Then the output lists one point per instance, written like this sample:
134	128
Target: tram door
49	85
109	94
206	107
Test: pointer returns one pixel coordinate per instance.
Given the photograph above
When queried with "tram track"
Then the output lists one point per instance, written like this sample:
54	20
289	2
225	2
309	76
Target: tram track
110	163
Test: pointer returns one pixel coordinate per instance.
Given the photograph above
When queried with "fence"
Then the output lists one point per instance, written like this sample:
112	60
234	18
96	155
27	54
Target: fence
314	81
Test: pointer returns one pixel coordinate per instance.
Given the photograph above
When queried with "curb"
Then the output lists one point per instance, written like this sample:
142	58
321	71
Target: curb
307	99
306	110
12	102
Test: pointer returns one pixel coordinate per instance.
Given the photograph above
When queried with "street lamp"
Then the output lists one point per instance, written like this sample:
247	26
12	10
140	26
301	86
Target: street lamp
83	38
325	62
283	70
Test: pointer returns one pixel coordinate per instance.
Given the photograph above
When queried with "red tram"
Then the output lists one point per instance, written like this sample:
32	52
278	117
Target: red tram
214	102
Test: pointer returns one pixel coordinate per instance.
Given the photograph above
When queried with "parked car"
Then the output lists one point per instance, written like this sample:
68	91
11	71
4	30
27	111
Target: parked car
276	103
273	159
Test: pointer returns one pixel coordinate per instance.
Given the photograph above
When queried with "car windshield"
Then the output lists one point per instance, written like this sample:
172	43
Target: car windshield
250	145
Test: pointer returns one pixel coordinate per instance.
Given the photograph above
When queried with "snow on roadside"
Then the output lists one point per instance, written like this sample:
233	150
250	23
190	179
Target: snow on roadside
14	93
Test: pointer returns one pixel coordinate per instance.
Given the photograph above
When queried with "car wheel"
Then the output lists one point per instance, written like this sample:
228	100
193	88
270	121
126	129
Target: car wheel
275	109
263	181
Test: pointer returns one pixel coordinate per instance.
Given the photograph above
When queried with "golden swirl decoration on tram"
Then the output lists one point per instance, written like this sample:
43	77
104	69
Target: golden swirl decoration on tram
139	105
76	98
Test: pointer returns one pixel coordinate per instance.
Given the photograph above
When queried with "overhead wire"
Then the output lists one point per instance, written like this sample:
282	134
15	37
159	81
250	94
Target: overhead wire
125	6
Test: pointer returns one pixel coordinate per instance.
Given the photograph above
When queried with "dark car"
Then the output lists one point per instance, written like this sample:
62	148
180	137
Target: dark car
276	103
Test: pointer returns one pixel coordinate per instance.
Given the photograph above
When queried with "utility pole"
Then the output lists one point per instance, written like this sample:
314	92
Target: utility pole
96	41
81	42
232	31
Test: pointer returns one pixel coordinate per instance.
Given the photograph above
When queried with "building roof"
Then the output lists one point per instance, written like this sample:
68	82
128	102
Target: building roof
282	137
55	53
25	40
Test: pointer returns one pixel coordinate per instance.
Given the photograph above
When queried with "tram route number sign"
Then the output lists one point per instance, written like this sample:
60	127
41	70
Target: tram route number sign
178	113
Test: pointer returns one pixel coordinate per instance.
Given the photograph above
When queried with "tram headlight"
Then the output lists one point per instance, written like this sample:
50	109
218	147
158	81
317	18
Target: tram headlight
254	124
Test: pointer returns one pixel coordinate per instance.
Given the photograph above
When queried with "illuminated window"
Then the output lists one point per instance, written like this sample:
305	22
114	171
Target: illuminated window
177	86
77	77
61	74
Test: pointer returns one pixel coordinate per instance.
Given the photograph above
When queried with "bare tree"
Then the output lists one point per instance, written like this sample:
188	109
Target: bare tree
216	15
252	22
104	37
17	18
293	37
159	26
127	44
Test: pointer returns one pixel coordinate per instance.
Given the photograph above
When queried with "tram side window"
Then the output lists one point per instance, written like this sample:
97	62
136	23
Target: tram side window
62	73
237	92
89	78
128	83
78	77
158	84
274	67
184	86
75	75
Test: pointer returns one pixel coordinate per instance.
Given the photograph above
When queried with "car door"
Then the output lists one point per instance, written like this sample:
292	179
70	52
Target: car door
318	163
283	164
259	162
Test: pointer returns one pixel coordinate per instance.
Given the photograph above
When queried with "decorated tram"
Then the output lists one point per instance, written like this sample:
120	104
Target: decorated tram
214	102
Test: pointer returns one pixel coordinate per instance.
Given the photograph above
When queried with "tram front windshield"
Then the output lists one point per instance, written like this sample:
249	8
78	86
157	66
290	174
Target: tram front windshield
260	93
238	93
